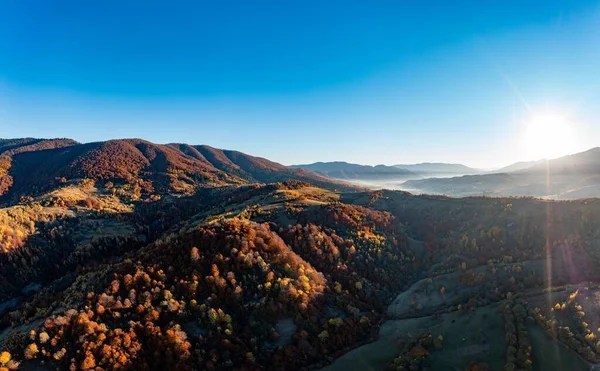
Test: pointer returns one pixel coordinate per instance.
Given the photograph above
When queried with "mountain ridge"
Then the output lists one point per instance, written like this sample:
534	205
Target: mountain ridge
517	166
108	260
29	164
346	170
438	167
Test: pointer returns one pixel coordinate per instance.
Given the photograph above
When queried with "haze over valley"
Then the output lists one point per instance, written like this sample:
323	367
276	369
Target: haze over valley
568	177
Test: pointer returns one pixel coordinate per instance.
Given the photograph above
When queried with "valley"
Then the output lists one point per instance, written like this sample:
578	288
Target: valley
565	178
154	267
569	177
299	186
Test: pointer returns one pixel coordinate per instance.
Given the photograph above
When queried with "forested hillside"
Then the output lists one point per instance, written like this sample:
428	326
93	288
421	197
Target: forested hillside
32	166
134	256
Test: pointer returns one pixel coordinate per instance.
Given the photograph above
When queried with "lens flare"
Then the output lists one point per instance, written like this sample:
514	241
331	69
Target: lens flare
548	135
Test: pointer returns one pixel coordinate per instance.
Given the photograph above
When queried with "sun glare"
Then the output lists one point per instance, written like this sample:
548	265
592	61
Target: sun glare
548	135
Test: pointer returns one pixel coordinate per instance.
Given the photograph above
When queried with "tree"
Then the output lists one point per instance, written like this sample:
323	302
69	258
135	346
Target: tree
31	351
438	343
194	255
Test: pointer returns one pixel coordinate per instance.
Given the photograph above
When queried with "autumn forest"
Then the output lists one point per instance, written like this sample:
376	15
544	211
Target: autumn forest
130	255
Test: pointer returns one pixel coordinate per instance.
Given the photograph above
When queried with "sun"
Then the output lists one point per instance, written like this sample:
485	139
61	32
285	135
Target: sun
548	135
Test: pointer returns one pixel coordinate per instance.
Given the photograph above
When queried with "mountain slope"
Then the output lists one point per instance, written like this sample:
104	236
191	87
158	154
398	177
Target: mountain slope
216	291
31	166
568	177
587	162
438	168
269	276
11	147
517	166
258	169
344	170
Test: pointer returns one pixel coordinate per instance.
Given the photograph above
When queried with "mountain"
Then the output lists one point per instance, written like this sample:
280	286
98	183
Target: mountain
439	168
587	162
130	255
29	165
291	276
344	170
11	147
517	166
244	276
569	177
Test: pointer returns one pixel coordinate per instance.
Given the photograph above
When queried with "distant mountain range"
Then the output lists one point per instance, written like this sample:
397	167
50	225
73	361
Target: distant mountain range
427	168
344	170
569	177
517	166
29	165
383	176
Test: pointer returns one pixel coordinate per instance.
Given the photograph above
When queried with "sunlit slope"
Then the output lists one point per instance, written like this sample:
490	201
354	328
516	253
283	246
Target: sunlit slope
34	166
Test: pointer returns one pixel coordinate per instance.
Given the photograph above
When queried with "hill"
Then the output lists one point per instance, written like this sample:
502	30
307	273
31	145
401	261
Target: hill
587	162
121	266
229	285
12	147
31	166
344	170
517	166
288	275
569	177
438	168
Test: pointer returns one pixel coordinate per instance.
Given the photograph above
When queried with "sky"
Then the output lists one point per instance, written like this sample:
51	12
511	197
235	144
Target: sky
367	82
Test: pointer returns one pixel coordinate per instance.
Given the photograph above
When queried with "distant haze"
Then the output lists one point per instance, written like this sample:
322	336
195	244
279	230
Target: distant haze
569	177
382	176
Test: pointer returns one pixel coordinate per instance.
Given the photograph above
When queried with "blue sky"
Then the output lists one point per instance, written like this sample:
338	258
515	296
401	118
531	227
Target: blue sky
297	82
